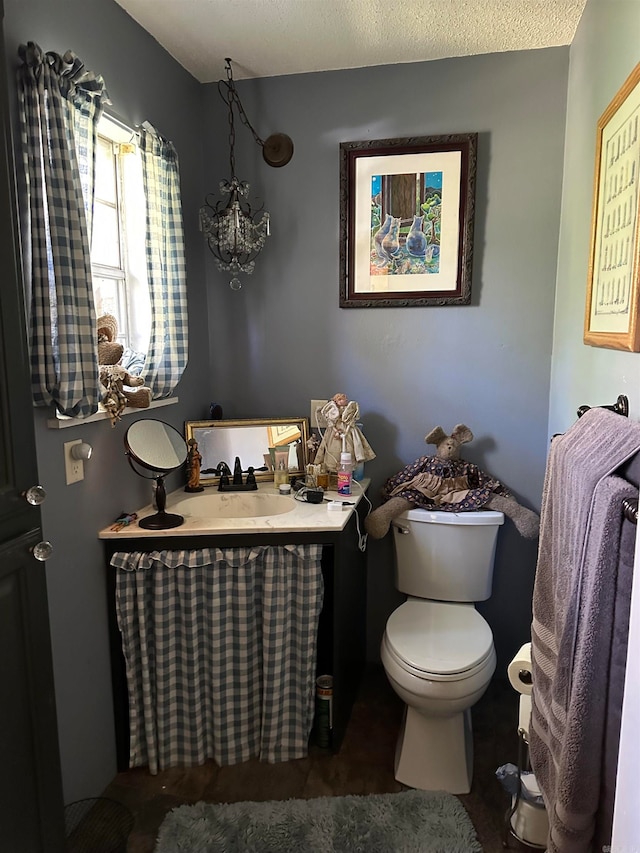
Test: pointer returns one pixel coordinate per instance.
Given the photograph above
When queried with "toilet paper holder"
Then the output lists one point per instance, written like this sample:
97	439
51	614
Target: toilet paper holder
525	677
520	814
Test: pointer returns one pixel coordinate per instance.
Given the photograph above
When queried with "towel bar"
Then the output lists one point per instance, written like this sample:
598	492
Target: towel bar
620	407
630	509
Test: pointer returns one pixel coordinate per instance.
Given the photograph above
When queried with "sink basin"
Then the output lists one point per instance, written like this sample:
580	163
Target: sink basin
232	505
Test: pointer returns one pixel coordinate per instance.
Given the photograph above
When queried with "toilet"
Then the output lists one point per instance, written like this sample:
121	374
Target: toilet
437	650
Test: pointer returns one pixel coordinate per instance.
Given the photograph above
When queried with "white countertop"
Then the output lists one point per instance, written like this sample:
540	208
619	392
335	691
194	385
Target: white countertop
213	512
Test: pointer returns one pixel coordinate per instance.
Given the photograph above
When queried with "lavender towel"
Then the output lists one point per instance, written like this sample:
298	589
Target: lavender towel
573	606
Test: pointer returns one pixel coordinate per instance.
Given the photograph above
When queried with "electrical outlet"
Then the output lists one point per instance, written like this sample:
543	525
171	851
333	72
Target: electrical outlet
73	468
316	420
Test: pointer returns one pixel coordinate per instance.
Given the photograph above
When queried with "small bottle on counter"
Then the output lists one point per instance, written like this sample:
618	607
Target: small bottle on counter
322	479
345	471
280	475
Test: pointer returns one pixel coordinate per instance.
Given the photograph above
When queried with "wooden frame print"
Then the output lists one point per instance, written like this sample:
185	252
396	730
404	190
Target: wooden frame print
611	314
406	221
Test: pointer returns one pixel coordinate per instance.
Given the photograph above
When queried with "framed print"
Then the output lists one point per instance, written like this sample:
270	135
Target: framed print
406	221
283	434
611	314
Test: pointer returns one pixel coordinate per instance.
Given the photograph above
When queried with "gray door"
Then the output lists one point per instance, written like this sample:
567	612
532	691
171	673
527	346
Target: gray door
31	810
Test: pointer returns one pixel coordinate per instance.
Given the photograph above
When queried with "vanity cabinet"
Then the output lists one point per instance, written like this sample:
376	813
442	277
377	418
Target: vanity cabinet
342	623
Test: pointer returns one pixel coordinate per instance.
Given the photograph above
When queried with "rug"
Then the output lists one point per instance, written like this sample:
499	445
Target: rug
408	822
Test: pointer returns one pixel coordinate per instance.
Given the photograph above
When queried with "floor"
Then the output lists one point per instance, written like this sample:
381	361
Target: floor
364	765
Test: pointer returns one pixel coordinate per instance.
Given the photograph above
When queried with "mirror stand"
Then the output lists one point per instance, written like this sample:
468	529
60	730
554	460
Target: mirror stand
159	448
161	520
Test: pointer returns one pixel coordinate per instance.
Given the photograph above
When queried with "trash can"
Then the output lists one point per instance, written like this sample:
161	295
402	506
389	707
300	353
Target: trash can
529	823
98	825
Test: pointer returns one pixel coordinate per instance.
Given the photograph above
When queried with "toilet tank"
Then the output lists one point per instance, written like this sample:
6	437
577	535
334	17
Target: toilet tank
444	555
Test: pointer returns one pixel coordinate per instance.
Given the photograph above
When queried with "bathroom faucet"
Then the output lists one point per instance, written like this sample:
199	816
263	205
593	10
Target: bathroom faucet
236	485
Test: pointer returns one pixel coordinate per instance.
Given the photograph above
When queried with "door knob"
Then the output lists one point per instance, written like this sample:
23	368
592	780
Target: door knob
35	495
42	551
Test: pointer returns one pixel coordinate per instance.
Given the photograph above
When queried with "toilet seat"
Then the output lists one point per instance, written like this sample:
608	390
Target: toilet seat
439	641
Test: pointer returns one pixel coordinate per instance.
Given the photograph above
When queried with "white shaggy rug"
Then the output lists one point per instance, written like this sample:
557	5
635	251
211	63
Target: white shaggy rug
408	822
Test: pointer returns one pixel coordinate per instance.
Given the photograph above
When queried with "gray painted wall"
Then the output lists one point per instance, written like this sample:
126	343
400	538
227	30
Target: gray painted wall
603	54
283	340
144	83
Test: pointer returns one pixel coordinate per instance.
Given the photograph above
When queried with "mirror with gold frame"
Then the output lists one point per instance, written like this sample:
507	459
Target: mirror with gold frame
253	441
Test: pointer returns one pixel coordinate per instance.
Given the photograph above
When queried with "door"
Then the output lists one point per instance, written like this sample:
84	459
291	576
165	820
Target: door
31	810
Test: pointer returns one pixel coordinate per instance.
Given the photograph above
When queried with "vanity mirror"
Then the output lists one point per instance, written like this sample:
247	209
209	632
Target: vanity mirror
254	442
158	448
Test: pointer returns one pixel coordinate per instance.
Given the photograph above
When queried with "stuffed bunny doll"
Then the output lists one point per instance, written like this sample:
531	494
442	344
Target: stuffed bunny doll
446	482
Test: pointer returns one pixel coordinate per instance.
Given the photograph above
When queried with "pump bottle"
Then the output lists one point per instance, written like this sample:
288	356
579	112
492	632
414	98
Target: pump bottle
345	470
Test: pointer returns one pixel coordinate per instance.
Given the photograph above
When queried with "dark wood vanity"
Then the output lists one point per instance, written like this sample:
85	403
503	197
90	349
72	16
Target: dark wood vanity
342	624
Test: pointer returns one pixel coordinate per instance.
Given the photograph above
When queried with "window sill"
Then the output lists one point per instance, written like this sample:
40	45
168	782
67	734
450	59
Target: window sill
63	421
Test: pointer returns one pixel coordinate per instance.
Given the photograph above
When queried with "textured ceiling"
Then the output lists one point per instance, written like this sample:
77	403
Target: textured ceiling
267	38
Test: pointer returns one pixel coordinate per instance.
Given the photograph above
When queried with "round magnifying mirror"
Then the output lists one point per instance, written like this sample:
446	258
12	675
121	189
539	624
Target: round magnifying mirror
159	448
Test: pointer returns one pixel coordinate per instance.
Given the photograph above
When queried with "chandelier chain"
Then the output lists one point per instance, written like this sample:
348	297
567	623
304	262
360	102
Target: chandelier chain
232	98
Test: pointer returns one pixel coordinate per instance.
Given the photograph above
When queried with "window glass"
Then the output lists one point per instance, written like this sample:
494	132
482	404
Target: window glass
105	241
118	239
105	174
110	298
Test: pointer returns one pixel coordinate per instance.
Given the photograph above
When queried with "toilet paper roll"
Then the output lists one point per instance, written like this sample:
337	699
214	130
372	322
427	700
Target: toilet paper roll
519	670
524	715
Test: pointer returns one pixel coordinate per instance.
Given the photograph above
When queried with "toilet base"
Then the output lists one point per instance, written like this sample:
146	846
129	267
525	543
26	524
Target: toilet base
435	753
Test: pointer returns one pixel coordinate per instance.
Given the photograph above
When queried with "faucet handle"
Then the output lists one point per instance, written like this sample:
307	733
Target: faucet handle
223	470
251	477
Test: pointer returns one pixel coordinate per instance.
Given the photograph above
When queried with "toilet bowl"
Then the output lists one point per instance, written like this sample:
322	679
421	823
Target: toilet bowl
439	658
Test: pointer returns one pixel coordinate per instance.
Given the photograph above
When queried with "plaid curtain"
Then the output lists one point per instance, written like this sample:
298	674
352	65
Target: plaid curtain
59	107
166	269
220	652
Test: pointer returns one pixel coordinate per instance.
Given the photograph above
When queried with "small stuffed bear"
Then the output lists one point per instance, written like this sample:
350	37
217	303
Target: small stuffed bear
446	482
115	379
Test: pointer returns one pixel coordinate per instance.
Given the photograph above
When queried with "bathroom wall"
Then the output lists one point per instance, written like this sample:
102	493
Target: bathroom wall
603	53
283	339
144	83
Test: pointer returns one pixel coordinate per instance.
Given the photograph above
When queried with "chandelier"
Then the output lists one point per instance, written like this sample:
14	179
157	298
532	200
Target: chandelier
236	232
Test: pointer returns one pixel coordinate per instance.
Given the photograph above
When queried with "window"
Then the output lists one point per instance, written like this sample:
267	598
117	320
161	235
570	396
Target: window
59	125
118	263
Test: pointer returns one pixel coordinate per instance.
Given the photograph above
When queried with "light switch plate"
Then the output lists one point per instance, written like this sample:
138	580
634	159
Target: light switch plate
73	468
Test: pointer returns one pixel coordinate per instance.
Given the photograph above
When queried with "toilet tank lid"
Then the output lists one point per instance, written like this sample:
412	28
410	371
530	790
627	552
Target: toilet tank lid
474	517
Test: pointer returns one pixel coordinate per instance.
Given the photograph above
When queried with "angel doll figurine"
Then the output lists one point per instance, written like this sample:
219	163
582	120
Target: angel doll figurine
342	416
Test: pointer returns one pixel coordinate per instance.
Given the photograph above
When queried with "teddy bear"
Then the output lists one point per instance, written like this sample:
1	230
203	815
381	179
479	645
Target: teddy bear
446	482
114	378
